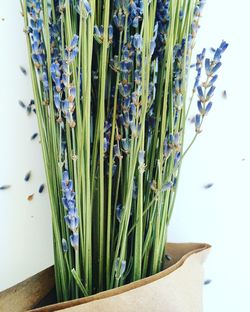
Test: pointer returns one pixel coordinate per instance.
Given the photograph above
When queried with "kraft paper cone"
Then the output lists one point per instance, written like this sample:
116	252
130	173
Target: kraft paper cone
178	288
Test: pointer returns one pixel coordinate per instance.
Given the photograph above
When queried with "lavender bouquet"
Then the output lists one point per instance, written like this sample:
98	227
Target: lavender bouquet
110	86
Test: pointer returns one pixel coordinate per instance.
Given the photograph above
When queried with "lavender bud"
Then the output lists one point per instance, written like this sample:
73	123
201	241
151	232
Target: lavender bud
207	66
197	122
210	93
200	92
64	245
212	80
215	68
87	7
74	240
111	33
167	186
208	107
137	42
200	107
74	42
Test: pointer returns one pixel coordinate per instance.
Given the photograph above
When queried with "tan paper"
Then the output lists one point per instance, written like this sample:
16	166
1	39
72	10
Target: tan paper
178	288
28	293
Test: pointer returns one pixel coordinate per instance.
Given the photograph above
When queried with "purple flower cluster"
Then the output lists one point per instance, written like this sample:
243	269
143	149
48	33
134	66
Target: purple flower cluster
206	90
37	44
162	20
199	62
64	91
71	219
197	14
132	10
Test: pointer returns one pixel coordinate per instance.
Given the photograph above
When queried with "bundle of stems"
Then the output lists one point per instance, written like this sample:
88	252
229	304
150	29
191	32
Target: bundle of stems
110	86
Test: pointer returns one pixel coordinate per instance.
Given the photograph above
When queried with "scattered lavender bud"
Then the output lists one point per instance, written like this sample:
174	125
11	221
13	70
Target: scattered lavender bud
34	136
27	176
41	188
224	94
208	281
207	186
29	110
30	197
168	257
21	103
23	70
4	187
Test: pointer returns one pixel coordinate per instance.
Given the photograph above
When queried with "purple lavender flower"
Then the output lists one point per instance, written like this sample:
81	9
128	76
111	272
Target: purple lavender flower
125	89
64	245
87	7
71	219
137	42
74	42
208	107
206	90
119	20
167	186
110	33
74	240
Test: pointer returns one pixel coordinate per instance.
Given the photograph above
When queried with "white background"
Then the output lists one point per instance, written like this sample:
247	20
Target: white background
219	215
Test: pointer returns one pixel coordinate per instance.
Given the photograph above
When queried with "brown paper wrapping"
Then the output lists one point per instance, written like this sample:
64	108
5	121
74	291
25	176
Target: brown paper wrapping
178	288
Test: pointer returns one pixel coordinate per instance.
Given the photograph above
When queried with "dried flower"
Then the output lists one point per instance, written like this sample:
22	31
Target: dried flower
27	176
71	219
23	70
34	136
41	188
30	197
4	187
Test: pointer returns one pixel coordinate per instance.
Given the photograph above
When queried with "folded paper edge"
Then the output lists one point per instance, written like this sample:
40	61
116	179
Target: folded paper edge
27	292
195	248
